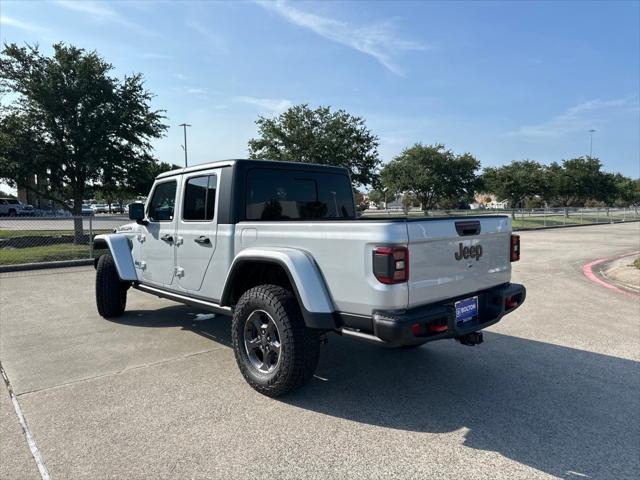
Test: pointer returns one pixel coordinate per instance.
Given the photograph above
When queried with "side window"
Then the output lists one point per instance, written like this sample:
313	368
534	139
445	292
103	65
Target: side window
162	202
200	198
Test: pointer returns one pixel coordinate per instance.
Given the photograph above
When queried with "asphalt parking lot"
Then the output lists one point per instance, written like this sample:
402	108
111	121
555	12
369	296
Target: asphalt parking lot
553	392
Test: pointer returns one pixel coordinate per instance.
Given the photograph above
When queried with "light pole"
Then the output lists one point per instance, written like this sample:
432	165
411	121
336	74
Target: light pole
591	132
184	126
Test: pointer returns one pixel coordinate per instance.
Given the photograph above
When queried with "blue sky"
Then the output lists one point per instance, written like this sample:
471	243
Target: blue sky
502	80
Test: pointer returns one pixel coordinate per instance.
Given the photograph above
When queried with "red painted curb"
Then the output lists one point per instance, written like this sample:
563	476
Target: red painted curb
587	269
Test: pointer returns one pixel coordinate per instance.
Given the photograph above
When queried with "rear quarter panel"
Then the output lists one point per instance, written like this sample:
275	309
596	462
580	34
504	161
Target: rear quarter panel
343	254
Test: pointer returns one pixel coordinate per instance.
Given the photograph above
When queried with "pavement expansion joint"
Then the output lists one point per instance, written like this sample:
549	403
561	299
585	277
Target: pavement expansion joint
118	372
35	452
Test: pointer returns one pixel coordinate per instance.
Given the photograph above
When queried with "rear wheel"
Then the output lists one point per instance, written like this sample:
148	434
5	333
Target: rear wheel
275	351
111	293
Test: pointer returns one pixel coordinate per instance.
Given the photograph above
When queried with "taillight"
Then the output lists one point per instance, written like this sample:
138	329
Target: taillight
391	264
510	302
515	248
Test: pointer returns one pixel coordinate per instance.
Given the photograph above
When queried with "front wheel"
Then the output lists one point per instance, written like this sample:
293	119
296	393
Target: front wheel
111	293
275	351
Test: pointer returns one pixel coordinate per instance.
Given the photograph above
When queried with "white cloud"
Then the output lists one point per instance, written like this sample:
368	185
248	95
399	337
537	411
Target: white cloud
102	12
28	27
214	41
580	117
379	41
196	91
156	56
269	104
181	76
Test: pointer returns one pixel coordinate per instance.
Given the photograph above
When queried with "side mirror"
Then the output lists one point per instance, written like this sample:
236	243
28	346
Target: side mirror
136	212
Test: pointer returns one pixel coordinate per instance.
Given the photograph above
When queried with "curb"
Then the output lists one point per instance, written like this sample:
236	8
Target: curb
588	271
44	265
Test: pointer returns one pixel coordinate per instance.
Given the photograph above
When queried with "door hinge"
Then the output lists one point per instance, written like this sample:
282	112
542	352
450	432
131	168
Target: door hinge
179	272
140	265
179	241
141	238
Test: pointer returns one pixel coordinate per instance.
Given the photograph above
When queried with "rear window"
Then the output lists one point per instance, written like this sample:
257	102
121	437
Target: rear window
297	195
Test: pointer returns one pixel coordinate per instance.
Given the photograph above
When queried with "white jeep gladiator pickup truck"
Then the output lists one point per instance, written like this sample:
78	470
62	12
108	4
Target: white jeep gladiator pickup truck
278	247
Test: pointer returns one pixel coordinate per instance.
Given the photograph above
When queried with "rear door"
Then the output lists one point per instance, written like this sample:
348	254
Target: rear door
197	228
453	257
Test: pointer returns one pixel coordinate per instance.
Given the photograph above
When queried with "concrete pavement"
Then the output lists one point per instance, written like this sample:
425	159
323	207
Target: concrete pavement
553	392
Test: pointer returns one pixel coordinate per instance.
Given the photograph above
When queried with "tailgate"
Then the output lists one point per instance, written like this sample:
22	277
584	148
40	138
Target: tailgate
452	257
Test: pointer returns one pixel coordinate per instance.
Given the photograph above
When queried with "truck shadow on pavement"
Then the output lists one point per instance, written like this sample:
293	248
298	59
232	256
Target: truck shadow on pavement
217	329
567	412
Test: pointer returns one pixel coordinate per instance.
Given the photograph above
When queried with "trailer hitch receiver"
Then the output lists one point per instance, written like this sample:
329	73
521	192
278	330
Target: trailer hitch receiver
473	338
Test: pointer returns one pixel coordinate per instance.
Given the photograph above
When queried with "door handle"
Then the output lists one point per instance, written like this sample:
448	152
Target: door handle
202	240
166	237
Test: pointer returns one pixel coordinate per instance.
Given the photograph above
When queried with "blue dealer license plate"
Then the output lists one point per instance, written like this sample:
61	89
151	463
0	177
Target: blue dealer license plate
466	310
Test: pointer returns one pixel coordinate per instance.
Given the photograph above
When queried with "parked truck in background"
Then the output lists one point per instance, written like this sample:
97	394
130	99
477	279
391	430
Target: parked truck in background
14	208
278	247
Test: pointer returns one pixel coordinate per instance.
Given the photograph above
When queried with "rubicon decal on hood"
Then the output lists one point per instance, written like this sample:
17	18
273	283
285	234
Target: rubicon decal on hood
475	251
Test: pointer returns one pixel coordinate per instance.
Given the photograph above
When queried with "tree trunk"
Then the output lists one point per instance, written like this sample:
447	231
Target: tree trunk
78	230
78	227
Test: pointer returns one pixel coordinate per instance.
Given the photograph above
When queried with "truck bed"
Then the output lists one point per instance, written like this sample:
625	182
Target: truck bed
343	250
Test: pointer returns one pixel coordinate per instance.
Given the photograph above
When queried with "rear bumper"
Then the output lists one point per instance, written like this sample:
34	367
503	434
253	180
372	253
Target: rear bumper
438	320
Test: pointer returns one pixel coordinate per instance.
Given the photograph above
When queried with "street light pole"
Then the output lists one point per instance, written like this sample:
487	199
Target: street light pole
591	132
184	126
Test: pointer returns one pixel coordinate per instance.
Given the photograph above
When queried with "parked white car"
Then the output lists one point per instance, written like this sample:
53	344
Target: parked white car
100	208
87	211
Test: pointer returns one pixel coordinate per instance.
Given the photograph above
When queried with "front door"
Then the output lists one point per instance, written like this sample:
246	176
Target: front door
157	246
197	228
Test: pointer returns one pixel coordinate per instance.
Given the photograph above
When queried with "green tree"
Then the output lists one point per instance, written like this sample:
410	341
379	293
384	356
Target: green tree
515	182
432	174
137	183
376	196
627	191
321	136
72	123
577	180
359	199
409	200
141	181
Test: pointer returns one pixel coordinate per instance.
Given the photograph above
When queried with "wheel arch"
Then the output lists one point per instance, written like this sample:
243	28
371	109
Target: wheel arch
120	248
296	267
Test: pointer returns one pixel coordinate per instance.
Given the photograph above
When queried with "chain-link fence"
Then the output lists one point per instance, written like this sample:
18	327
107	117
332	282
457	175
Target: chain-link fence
524	219
25	240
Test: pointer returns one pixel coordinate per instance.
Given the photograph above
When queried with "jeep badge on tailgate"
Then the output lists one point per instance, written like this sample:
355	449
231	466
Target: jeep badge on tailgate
475	251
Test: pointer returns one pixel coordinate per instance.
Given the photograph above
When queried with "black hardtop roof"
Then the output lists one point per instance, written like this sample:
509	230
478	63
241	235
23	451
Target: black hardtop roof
246	164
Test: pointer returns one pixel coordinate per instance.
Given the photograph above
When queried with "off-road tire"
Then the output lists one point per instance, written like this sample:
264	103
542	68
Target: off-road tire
300	346
111	293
